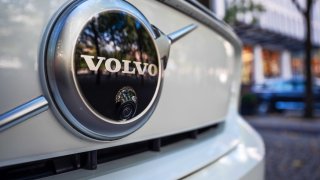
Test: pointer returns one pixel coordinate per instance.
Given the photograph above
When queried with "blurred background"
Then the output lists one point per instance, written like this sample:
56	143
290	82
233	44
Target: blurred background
280	91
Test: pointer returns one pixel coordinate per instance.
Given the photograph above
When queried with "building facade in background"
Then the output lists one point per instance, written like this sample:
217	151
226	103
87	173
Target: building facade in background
273	47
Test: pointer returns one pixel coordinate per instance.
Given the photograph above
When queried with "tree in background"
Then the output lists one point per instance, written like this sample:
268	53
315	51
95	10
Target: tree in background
236	10
242	7
307	13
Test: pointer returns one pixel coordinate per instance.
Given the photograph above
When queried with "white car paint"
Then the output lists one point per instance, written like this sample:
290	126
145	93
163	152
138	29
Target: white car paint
201	88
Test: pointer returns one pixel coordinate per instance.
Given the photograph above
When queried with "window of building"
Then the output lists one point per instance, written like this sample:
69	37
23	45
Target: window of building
316	64
297	63
247	65
271	63
297	66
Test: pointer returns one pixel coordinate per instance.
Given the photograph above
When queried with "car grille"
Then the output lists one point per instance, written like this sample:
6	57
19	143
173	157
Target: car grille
90	160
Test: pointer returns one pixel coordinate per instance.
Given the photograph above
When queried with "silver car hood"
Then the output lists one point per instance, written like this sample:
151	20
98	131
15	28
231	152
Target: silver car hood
200	88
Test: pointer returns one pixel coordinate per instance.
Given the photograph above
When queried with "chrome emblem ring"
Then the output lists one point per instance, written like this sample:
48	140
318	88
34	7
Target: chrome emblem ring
95	50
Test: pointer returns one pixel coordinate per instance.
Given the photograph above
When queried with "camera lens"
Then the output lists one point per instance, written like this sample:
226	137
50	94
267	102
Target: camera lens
126	101
126	111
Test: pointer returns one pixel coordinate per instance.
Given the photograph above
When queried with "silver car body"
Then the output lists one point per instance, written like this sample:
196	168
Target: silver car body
200	88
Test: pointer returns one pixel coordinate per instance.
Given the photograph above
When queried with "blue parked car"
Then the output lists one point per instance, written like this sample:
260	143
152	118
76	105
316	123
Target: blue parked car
280	95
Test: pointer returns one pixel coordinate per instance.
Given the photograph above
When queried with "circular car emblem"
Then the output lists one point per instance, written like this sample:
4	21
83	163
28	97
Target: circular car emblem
114	50
103	68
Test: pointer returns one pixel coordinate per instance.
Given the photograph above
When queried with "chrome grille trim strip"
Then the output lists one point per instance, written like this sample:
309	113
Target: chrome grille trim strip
23	112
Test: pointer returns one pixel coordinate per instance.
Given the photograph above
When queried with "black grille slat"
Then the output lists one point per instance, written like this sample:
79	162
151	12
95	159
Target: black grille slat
194	134
28	170
113	153
155	145
90	160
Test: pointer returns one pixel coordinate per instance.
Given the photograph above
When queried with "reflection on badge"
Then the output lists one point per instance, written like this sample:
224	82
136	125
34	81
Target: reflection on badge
115	50
104	66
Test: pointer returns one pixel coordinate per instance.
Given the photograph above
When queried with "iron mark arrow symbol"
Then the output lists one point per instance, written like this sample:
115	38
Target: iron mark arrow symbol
164	41
175	36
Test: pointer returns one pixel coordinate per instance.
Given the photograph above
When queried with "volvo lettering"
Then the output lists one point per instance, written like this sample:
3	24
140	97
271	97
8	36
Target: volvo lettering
114	65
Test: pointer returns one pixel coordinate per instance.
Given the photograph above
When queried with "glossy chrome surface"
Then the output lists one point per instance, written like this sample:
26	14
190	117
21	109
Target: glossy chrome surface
23	112
176	35
114	50
91	109
88	33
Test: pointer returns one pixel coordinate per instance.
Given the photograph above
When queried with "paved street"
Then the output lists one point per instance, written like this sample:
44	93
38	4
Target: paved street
292	146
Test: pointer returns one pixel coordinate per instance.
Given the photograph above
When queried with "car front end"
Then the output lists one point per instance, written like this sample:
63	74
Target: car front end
105	89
